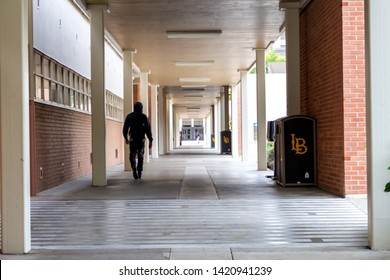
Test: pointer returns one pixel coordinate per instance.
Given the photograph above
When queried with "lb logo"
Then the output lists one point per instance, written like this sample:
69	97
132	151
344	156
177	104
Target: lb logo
213	139
226	140
298	145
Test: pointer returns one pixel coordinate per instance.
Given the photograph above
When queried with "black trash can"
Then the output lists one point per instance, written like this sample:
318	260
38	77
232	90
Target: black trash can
271	131
272	153
295	152
212	141
226	142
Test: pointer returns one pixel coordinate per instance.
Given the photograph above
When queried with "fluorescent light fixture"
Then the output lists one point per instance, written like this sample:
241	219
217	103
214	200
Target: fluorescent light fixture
194	80
193	34
193	87
193	96
193	101
195	63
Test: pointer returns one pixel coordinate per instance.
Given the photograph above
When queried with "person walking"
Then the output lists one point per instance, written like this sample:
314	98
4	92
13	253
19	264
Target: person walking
135	127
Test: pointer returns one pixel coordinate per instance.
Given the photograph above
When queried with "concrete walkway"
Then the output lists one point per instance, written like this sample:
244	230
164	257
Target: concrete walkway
195	204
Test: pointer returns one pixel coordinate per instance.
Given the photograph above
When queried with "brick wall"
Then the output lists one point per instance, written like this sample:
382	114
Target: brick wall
114	142
137	93
354	97
63	145
328	94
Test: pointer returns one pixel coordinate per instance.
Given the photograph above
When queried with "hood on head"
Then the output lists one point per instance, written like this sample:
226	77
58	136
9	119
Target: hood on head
138	107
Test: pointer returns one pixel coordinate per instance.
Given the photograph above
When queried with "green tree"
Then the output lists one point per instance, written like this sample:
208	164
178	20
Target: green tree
271	56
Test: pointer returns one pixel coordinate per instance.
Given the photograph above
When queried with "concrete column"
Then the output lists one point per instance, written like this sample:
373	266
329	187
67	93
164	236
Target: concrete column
14	128
205	132
167	123
212	122
209	128
128	98
170	124
261	111
175	125
177	129
222	111
234	121
99	177
225	108
292	57
244	112
161	122
217	126
144	89
378	122
154	121
180	129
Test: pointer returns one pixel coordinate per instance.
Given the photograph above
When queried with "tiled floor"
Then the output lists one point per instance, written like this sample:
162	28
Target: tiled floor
195	204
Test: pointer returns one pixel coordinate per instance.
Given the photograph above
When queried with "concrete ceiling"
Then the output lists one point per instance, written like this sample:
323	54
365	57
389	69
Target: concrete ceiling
142	25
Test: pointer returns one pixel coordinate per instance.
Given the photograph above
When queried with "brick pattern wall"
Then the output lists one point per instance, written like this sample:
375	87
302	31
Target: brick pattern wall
114	143
63	145
136	93
329	94
354	97
322	87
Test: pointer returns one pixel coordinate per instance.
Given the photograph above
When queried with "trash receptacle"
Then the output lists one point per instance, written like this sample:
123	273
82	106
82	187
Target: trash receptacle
212	141
295	152
226	142
272	153
271	131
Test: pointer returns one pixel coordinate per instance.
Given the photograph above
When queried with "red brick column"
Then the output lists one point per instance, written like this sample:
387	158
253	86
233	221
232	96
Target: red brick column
333	91
354	97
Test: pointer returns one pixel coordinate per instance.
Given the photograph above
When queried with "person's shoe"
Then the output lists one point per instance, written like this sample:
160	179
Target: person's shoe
139	174
135	175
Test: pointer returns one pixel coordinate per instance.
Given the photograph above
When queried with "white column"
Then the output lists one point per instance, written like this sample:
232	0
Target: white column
205	133
99	177
234	121
177	128
128	98
175	124
154	120
292	57
161	122
217	127
144	89
180	128
244	117
207	136
209	126
14	128
225	108
167	123
261	111
378	122
171	125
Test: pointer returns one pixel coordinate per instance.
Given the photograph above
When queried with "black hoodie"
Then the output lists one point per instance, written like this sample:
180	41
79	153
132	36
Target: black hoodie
139	125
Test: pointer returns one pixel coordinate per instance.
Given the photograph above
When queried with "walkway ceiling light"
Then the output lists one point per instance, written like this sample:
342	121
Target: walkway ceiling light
195	63
194	87
193	34
194	80
193	96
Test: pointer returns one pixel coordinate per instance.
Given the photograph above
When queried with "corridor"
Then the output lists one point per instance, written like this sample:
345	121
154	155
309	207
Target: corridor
195	204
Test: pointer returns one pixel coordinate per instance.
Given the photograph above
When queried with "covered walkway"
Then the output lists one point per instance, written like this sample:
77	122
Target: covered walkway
195	204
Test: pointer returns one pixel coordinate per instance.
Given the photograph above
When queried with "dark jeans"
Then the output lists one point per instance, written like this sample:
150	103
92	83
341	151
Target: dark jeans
137	149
